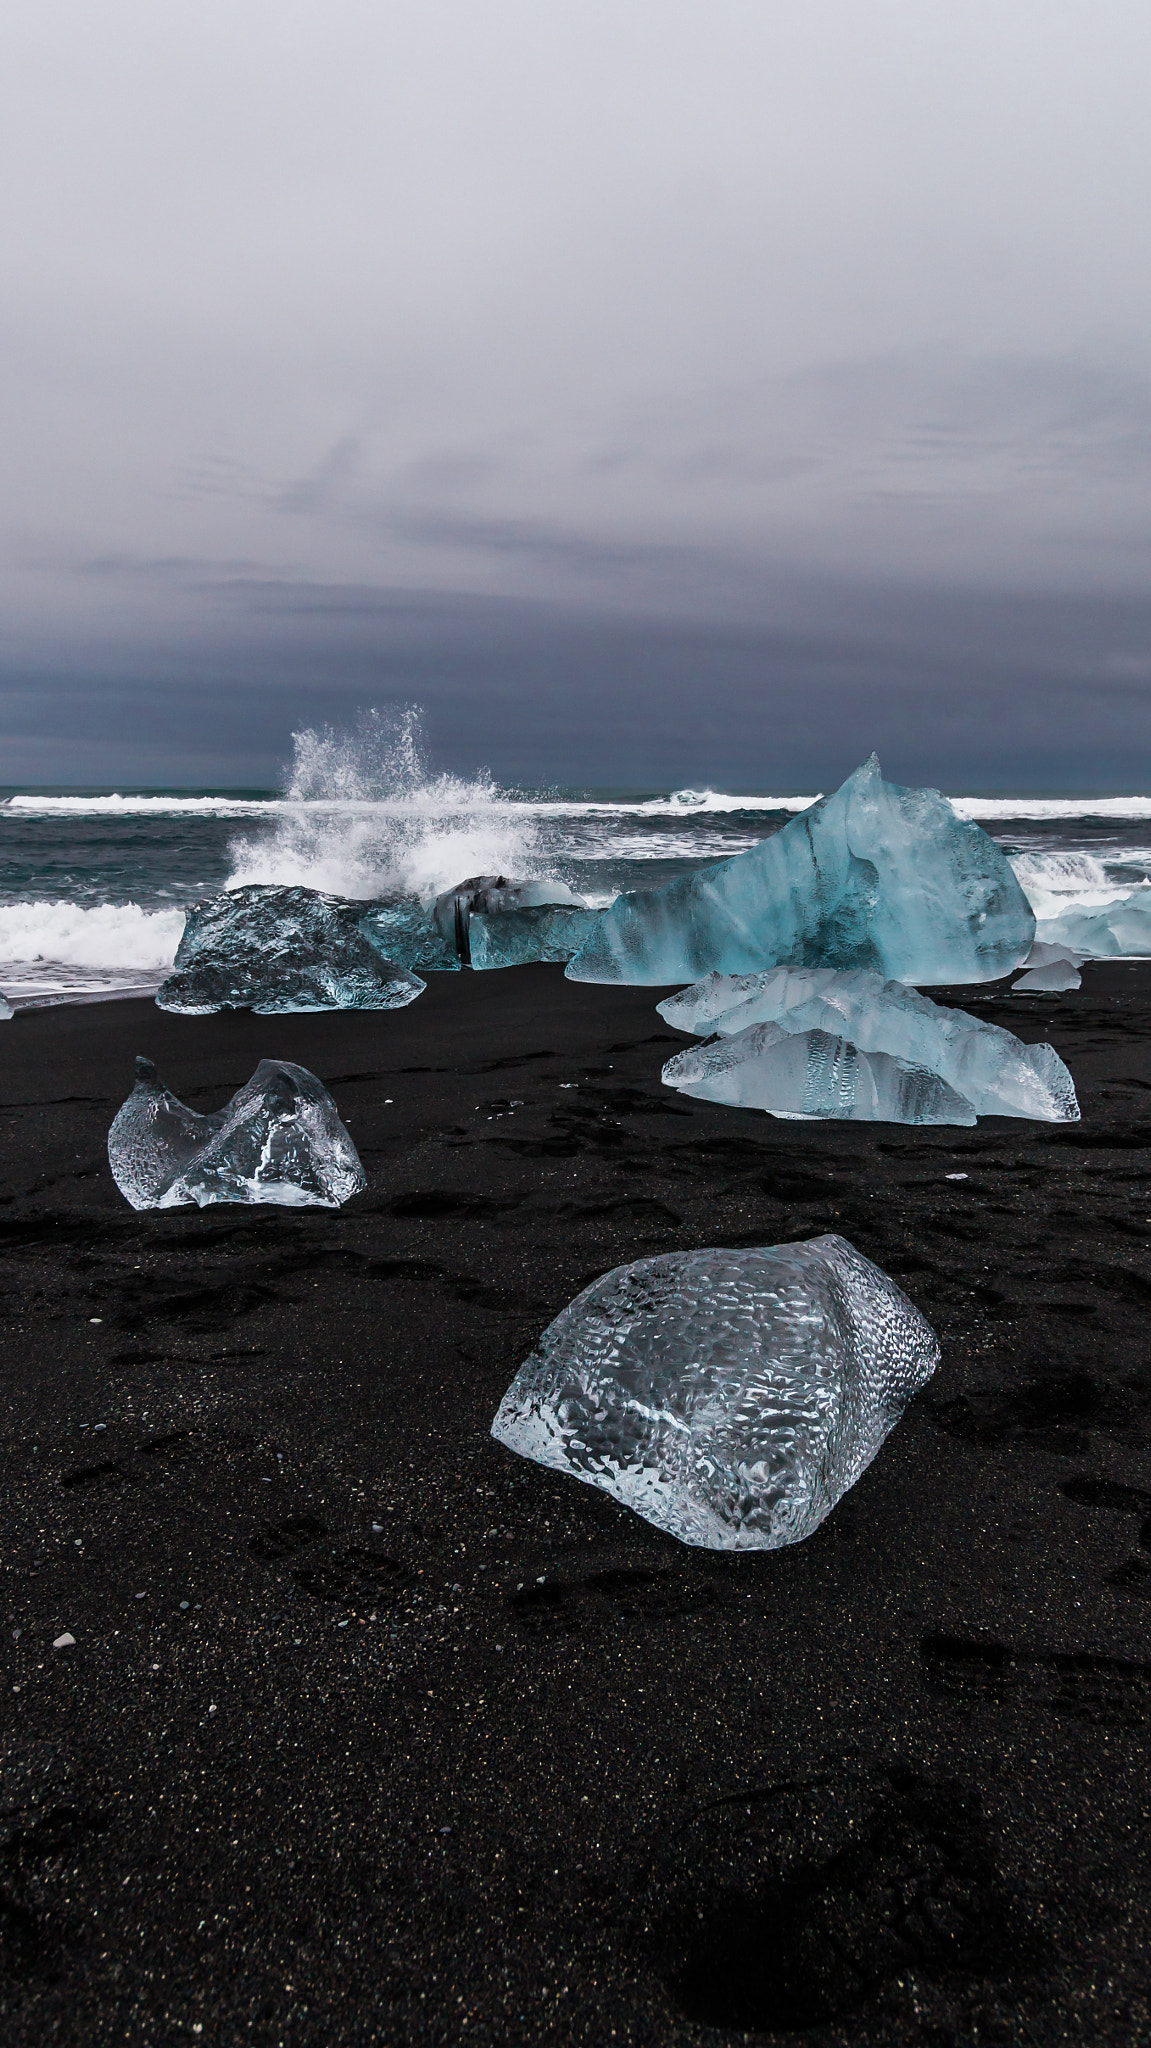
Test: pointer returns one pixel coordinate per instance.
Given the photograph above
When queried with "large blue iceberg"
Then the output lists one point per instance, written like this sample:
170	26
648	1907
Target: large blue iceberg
861	1047
875	876
730	1397
274	951
279	1140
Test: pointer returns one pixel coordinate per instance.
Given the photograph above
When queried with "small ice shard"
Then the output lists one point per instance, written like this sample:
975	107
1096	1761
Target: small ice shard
491	897
1102	931
809	1074
874	876
279	1140
1051	970
6	1009
991	1072
516	938
729	1397
273	950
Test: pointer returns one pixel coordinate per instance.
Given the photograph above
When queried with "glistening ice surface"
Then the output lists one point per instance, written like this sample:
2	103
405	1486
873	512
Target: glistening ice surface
279	1140
729	1397
991	1072
876	876
279	950
814	1074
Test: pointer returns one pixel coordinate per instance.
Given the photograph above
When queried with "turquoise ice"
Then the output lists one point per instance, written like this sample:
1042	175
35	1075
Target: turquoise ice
1104	931
274	951
984	1070
874	876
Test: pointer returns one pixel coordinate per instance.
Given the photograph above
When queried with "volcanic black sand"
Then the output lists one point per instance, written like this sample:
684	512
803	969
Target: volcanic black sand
372	1732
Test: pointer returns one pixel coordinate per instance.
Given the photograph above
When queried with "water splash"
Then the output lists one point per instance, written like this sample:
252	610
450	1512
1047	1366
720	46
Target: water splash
364	816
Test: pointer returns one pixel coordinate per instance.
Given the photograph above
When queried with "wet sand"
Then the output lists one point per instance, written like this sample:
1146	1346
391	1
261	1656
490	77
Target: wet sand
372	1732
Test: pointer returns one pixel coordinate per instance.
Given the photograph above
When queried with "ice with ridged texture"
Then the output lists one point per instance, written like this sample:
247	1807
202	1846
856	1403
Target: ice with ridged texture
279	1140
492	898
273	951
806	1075
402	930
1104	931
874	876
989	1070
729	1397
517	938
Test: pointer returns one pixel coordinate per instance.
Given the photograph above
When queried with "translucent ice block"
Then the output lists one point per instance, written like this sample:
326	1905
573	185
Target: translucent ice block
492	898
274	950
1104	931
552	932
730	1397
987	1067
278	1140
875	876
809	1074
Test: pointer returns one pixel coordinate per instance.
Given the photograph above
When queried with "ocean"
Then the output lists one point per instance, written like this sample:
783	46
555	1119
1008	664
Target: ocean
94	882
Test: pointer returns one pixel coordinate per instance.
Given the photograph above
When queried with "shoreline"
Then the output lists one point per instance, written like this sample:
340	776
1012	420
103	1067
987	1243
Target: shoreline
447	1747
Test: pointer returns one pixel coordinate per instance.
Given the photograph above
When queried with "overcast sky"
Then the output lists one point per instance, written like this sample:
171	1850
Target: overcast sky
653	390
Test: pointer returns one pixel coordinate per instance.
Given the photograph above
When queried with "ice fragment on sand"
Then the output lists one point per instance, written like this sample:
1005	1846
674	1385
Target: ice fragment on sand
494	897
874	876
1051	970
730	1397
5	1008
806	1074
275	950
278	1140
984	1070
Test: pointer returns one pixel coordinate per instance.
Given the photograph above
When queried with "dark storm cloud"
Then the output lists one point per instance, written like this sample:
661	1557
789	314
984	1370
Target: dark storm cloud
637	387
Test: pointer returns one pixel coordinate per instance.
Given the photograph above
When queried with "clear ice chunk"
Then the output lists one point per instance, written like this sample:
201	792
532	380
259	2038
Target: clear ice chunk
493	897
1051	970
6	1009
279	1140
874	876
402	930
1103	931
812	1074
989	1070
729	1397
516	938
273	950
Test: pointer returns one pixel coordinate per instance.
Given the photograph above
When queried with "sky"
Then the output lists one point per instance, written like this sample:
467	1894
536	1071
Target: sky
655	392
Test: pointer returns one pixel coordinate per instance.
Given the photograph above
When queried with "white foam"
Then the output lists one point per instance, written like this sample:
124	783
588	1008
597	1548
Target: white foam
114	936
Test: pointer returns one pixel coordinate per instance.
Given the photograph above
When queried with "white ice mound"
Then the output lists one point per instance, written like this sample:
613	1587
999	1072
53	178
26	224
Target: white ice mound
875	876
866	1048
730	1397
273	950
1104	931
279	1140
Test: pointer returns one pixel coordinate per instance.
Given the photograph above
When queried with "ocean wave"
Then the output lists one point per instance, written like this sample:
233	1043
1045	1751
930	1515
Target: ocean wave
101	936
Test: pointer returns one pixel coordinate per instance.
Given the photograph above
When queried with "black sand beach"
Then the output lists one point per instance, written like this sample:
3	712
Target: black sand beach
372	1732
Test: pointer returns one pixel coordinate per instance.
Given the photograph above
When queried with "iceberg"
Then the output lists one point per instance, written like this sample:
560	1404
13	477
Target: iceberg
875	876
493	897
273	951
279	1140
1104	931
851	1018
729	1397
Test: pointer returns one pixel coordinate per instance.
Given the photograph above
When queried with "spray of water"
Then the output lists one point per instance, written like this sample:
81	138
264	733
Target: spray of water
364	816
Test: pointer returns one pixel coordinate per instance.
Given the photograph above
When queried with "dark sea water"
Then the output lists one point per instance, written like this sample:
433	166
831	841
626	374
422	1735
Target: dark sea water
93	883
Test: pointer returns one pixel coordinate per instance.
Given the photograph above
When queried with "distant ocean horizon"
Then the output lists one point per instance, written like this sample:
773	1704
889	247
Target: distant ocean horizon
94	882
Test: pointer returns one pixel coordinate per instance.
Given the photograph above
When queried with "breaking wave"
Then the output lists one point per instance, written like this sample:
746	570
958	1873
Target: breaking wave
363	816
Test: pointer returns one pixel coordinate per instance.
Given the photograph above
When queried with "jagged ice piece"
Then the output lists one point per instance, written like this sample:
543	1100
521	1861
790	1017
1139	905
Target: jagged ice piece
273	950
729	1397
279	1140
810	1074
988	1068
874	876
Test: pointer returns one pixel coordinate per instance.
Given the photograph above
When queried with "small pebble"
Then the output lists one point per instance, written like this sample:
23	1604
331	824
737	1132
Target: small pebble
955	1176
64	1642
95	1319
